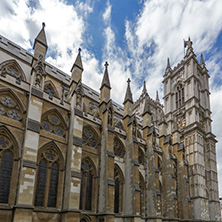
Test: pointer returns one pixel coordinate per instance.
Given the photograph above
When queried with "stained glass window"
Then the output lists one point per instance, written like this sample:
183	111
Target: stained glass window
89	137
9	108
4	142
53	124
5	176
118	148
86	186
48	169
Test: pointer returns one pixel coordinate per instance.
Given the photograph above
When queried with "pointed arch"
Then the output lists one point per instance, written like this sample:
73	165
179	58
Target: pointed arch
118	189
119	124
50	167
49	87
141	156
11	105
11	67
90	136
9	155
118	147
53	122
88	176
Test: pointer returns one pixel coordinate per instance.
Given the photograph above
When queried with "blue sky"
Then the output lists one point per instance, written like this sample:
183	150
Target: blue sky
135	36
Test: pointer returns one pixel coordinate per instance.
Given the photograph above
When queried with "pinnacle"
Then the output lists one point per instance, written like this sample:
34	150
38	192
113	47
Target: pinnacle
144	88
128	96
157	96
201	60
41	37
78	61
105	81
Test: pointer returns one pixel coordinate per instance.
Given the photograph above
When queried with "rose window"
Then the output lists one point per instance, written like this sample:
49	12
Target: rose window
52	124
118	148
9	108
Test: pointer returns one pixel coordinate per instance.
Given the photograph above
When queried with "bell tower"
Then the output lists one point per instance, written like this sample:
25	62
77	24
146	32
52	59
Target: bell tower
187	109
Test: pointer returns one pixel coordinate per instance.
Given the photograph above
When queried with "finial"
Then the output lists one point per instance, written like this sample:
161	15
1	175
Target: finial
79	50
106	64
189	38
128	81
43	25
168	62
144	88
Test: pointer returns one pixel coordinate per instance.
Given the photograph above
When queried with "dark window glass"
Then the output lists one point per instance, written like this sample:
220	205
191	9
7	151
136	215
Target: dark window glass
53	187
116	197
89	138
88	191
5	176
81	190
41	183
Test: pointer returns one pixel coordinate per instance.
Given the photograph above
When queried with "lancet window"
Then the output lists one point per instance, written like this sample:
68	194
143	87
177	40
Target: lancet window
179	96
53	123
48	173
118	148
89	137
8	155
118	191
140	156
87	183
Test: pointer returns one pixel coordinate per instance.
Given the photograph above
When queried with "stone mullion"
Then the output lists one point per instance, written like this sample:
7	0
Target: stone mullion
47	186
84	192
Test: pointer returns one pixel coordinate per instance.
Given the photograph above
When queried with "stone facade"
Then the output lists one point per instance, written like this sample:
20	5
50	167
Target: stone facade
68	153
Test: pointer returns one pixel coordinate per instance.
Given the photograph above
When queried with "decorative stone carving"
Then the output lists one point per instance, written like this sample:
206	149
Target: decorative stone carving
79	94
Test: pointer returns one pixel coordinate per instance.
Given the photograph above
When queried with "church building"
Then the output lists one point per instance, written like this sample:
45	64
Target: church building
70	154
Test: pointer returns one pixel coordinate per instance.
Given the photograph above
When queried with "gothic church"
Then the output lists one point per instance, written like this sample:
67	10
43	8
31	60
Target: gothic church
71	154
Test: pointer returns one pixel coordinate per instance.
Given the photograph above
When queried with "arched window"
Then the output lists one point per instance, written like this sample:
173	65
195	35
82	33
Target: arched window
87	174
142	194
89	137
140	156
118	192
8	165
118	148
49	165
53	122
10	105
12	68
50	88
179	96
119	125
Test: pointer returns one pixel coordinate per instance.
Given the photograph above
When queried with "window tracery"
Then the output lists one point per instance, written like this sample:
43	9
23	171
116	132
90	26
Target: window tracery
118	148
53	124
50	89
87	177
89	137
47	181
9	107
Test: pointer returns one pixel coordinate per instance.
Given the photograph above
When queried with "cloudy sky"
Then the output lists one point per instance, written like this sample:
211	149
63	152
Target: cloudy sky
134	36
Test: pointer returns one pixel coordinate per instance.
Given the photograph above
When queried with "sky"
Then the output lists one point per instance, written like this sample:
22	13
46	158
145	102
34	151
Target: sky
135	36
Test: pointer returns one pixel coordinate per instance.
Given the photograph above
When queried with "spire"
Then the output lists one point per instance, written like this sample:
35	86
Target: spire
168	63
147	108
105	81
128	96
41	37
157	96
78	62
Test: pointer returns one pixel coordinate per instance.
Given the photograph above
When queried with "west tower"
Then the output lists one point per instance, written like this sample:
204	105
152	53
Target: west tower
187	109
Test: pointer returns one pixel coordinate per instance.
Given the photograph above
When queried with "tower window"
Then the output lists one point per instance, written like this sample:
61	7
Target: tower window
179	96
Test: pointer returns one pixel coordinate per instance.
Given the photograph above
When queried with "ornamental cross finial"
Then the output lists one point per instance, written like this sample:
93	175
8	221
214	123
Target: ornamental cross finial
80	49
128	81
106	64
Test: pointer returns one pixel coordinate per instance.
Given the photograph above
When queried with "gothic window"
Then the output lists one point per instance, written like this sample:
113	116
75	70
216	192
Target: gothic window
50	89
89	137
179	96
9	107
47	177
142	194
119	125
118	148
8	153
118	190
86	192
53	123
140	156
11	68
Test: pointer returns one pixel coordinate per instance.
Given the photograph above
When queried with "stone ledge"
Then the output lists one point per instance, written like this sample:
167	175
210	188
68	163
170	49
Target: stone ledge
37	93
76	174
78	112
77	141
